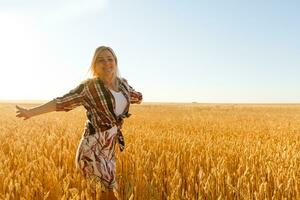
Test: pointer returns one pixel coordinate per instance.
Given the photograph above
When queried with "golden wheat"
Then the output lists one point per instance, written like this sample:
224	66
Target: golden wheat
173	151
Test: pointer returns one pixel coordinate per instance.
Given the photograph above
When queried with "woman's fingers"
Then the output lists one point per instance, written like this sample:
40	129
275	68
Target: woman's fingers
20	108
24	117
21	112
20	115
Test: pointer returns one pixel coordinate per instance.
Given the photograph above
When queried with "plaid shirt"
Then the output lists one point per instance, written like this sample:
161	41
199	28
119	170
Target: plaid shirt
99	104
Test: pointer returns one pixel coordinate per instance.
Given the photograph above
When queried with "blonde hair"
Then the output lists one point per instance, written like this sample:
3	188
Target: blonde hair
93	64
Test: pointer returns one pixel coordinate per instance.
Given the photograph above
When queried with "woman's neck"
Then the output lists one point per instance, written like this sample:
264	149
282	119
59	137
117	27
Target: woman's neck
111	83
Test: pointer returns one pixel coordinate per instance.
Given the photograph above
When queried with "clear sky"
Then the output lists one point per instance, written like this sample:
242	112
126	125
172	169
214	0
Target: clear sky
172	51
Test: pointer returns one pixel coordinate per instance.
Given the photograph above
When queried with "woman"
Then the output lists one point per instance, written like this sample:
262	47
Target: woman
106	97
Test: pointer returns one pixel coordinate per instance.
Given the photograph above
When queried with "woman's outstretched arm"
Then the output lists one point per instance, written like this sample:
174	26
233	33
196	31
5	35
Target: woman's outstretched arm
28	113
66	103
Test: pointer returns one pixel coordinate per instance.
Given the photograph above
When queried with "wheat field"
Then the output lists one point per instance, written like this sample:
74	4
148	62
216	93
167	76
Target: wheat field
173	151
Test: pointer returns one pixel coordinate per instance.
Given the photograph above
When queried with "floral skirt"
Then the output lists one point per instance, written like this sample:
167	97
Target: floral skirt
95	157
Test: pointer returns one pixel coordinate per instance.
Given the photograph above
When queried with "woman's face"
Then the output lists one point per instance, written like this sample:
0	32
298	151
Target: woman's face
105	64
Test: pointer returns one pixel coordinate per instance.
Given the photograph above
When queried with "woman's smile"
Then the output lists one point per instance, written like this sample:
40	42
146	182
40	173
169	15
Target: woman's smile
107	69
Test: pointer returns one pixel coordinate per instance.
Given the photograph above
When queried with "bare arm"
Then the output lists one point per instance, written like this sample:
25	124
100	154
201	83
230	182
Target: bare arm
28	113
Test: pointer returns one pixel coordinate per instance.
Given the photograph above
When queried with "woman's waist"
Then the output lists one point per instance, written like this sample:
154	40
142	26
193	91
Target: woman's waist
92	128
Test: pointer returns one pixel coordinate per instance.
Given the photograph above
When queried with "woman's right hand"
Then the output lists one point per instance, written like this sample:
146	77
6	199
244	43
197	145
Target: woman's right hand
22	112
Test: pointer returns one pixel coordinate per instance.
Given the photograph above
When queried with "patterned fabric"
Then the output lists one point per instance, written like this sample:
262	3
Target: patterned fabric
95	155
96	159
99	104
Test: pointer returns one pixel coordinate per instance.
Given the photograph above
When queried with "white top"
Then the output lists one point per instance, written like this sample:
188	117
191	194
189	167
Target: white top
120	100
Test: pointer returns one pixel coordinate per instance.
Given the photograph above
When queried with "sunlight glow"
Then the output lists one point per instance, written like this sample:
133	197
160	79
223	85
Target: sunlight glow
20	51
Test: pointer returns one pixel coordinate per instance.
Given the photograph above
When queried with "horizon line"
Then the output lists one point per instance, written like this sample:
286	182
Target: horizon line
26	101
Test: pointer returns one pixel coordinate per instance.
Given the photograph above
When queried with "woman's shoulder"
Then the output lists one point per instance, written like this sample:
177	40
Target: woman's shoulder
124	80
